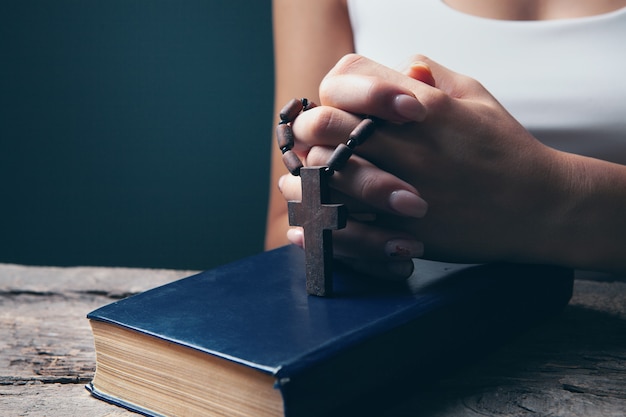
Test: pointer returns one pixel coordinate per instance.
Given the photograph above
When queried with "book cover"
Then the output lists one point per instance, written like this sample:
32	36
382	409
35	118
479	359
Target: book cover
321	354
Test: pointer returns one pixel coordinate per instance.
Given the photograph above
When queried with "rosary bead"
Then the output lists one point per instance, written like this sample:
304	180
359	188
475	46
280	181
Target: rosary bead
363	131
292	162
313	212
291	110
307	104
339	157
284	136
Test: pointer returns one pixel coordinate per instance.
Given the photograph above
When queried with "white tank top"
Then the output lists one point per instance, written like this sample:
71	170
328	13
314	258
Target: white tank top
564	80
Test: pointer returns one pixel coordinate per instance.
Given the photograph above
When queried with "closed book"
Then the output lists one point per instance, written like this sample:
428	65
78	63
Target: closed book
245	339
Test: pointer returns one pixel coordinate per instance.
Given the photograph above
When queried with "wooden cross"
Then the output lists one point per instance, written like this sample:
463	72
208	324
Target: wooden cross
318	219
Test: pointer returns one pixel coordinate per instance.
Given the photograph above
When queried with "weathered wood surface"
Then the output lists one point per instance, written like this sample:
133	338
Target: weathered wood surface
47	350
573	365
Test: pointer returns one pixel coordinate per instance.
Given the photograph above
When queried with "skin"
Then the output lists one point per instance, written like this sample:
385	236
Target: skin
534	9
324	27
493	191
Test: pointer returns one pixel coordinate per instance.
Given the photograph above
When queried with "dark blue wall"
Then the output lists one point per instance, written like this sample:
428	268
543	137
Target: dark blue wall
134	132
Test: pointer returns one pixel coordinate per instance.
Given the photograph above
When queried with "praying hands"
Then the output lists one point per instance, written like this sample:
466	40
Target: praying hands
450	175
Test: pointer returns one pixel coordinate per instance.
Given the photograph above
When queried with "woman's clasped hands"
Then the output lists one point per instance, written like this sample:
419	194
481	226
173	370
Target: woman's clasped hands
448	174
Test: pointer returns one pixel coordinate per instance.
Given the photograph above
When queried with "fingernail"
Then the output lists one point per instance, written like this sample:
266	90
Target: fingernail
409	108
408	204
296	236
401	270
281	181
404	248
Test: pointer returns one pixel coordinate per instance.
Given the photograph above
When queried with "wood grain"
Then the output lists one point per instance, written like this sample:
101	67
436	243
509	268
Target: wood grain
572	365
46	344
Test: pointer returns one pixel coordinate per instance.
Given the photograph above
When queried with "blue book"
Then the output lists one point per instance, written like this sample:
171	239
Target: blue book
245	339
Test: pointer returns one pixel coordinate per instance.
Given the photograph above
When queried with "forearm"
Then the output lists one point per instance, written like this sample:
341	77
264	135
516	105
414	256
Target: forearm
309	38
590	232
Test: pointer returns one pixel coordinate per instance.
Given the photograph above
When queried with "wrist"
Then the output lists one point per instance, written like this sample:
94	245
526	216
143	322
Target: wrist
584	222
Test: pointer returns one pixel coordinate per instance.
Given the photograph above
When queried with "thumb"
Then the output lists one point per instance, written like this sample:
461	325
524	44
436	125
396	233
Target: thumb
420	71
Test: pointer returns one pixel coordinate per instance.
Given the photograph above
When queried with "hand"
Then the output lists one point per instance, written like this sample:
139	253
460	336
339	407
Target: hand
381	252
366	247
492	189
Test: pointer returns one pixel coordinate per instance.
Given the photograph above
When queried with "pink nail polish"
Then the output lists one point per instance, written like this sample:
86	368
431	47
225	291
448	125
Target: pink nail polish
408	204
404	248
281	181
409	108
296	236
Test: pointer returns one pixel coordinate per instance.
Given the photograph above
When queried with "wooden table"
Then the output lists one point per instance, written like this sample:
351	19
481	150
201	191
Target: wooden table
572	365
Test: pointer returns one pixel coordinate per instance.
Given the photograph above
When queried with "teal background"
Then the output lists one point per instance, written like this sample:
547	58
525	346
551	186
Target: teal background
134	132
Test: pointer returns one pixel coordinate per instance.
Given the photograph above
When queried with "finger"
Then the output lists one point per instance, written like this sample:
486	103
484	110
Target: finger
358	64
376	91
360	85
374	96
296	236
431	73
360	240
377	252
366	183
290	187
450	82
390	269
323	126
420	71
328	127
367	241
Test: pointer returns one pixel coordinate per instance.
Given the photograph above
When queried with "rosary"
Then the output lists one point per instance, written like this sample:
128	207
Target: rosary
315	214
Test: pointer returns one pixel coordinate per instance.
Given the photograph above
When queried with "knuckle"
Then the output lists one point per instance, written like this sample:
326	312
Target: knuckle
346	64
323	122
317	156
421	58
379	91
326	121
370	186
313	126
437	102
474	85
326	88
330	125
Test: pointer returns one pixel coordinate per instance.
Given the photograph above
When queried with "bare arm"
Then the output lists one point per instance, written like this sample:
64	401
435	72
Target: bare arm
309	38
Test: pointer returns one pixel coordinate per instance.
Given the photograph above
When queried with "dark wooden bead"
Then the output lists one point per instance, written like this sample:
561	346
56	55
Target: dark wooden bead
292	162
290	111
363	131
307	104
284	137
339	157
